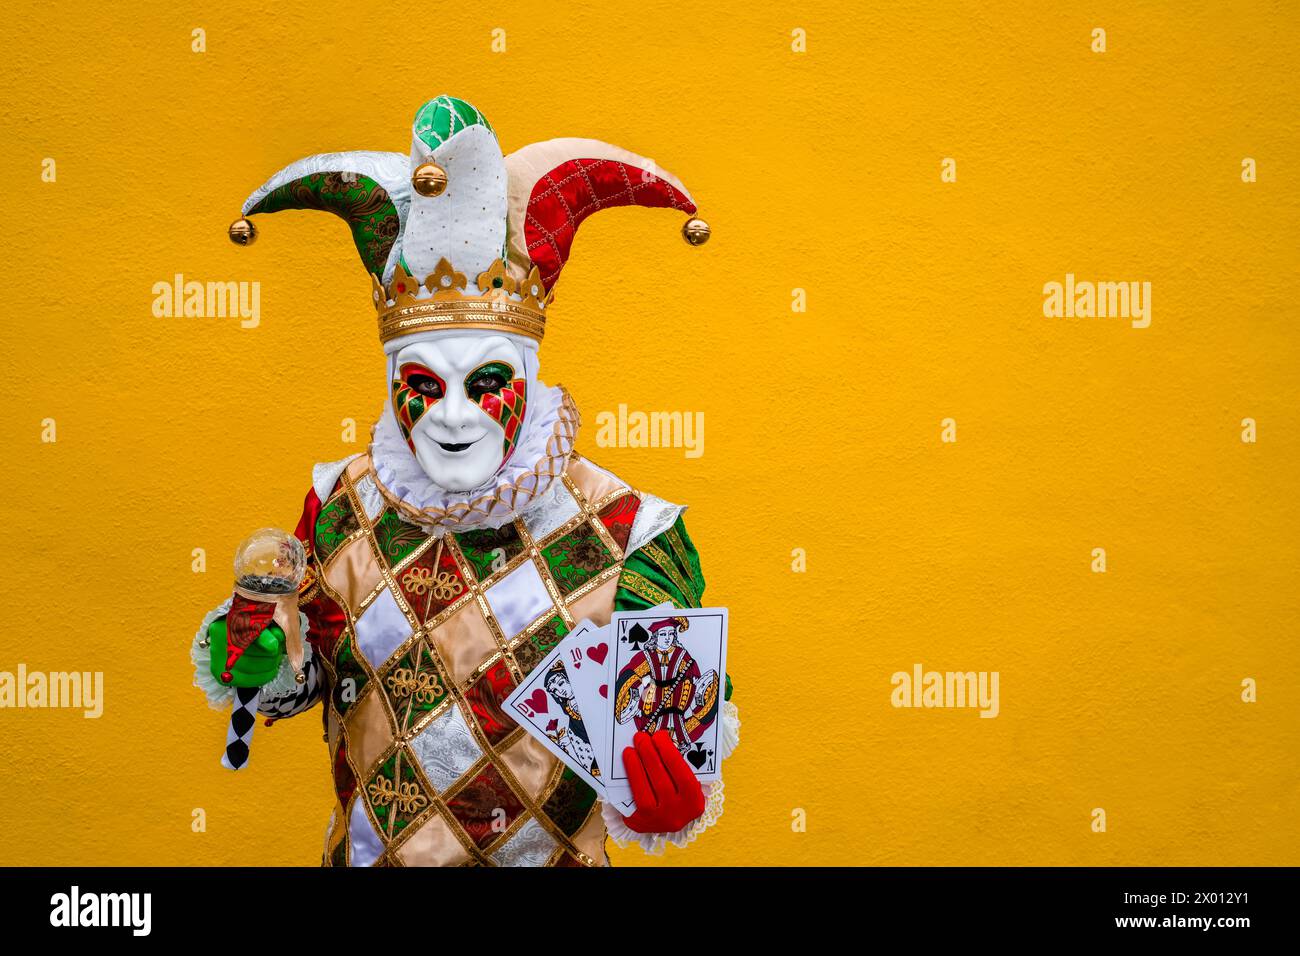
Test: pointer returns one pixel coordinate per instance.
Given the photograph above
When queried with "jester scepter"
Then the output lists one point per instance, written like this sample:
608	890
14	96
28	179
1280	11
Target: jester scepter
260	628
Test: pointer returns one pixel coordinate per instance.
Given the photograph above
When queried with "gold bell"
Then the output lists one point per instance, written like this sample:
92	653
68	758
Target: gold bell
429	179
299	677
696	231
243	232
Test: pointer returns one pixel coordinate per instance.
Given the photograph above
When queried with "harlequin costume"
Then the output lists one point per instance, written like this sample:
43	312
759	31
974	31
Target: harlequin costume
423	607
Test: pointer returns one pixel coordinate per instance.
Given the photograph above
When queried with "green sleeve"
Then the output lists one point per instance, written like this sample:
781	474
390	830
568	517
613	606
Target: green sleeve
667	568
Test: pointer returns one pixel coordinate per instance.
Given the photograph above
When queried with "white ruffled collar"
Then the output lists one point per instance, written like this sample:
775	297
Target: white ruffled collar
550	429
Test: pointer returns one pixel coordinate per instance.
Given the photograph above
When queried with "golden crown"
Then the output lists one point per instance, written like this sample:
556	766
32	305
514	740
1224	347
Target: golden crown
443	301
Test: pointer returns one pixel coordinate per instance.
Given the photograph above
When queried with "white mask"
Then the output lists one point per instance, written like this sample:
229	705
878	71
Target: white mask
460	402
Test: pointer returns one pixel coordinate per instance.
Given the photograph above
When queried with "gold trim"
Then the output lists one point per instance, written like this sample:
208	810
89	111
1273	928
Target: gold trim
591	513
556	856
552	590
614	570
499	315
559	531
679	551
643	588
529	632
669	568
504	836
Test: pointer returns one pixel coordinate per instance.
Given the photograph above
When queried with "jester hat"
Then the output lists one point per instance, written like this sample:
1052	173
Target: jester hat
456	235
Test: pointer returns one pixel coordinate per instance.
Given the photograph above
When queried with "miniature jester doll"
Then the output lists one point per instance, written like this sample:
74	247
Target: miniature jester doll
445	562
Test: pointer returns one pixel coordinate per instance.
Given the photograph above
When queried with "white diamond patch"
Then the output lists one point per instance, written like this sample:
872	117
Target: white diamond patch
446	749
518	598
531	846
550	511
366	845
382	629
653	518
371	500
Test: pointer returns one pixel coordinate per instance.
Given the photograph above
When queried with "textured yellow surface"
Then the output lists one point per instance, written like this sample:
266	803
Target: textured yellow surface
819	171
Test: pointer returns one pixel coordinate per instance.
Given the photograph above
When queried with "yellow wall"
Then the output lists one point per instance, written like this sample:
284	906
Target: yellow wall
818	171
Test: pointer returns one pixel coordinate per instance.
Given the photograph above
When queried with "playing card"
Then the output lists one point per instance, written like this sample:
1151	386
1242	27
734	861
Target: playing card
586	652
621	798
546	704
587	645
667	671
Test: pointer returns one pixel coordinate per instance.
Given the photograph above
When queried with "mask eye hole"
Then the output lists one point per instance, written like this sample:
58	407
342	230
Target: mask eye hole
425	385
422	381
488	378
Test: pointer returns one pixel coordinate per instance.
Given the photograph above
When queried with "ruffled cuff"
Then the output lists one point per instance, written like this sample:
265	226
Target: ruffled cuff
655	843
221	696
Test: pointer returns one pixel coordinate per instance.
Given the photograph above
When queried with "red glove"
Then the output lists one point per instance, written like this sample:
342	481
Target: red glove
666	792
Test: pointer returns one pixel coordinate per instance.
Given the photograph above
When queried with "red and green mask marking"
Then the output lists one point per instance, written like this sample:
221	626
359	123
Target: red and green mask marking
415	390
494	389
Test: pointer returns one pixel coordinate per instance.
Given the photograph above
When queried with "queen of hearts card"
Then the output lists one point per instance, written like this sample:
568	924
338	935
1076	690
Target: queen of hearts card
568	731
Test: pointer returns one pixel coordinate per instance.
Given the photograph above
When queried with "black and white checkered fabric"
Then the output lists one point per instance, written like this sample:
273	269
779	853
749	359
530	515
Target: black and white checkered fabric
249	702
239	735
301	698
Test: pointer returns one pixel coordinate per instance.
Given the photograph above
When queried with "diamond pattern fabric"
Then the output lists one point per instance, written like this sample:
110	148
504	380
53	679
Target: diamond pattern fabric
446	749
519	598
382	628
430	769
